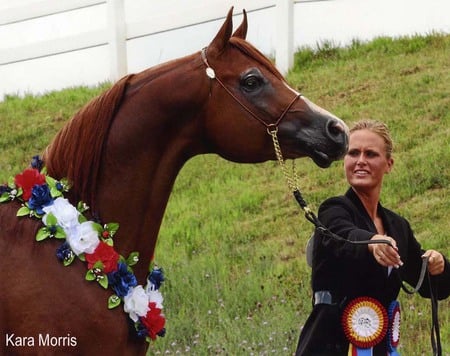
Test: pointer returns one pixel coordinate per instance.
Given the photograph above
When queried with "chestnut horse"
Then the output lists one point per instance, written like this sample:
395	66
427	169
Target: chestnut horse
122	153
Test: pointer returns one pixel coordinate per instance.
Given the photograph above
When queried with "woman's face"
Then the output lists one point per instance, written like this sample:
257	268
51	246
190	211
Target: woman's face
366	163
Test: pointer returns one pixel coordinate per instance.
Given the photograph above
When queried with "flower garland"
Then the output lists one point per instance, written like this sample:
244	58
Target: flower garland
42	197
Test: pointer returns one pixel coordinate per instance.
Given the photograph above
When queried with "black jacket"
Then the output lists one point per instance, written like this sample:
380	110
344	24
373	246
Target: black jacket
349	271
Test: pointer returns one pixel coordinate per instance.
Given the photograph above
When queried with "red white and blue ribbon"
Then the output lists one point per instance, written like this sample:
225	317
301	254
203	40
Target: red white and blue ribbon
394	328
365	324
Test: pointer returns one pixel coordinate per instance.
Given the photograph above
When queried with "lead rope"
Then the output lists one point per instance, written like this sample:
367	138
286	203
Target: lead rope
435	331
292	182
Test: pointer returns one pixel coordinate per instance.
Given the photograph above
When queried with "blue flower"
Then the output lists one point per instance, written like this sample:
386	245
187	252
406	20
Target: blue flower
40	198
4	189
156	277
64	252
122	280
37	163
141	329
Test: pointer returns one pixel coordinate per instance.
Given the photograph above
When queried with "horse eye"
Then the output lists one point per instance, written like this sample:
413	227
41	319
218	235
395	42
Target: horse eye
251	83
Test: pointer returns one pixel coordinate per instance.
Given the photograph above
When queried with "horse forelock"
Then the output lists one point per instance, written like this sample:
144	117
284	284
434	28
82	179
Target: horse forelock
75	152
254	53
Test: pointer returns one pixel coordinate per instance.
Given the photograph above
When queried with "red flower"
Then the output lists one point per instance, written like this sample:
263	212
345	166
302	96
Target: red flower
106	255
154	321
27	180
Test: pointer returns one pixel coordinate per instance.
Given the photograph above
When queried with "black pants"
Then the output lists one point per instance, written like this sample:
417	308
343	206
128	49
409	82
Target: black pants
322	333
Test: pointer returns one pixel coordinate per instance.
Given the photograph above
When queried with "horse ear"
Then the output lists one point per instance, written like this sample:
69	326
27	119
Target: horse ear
220	41
241	31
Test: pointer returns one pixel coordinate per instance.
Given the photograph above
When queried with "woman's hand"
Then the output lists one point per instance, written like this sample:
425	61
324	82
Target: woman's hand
386	255
436	262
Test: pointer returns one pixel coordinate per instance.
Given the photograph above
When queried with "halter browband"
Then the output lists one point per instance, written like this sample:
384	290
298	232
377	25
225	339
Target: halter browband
270	127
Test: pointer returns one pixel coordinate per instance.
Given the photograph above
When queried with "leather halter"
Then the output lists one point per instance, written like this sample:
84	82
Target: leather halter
271	126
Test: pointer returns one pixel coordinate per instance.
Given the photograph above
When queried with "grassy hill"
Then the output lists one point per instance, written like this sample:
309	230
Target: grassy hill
233	240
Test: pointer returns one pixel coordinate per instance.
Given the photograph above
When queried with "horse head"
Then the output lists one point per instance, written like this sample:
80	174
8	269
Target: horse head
253	96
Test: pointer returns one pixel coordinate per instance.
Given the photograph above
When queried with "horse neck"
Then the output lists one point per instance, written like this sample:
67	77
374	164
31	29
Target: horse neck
138	205
135	180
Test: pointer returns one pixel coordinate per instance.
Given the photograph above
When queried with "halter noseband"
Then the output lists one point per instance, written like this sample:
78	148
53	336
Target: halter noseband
270	127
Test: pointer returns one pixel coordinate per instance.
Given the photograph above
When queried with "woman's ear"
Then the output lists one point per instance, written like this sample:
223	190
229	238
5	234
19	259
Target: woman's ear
390	165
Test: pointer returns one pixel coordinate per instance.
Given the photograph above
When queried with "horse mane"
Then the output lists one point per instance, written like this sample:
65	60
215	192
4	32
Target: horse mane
254	53
76	150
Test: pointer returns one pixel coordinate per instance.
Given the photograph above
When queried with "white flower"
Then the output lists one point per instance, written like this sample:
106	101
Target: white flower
136	303
156	297
65	213
83	238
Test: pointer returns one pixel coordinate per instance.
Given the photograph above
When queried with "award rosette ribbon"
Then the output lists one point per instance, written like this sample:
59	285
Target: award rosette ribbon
365	323
394	328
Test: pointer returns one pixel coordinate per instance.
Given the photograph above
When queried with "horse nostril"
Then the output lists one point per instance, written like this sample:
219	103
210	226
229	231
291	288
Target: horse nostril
335	129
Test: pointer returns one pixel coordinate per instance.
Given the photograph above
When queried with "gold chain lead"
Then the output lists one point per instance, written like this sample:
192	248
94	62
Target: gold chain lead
292	181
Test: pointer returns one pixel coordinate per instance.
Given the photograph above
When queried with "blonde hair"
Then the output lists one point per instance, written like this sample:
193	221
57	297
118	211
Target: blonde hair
378	128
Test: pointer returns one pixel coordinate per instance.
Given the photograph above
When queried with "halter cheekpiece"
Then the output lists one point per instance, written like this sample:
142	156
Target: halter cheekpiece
210	72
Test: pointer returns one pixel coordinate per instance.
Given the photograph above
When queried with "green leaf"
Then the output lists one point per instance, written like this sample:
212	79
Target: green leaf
98	264
112	228
103	281
4	197
23	211
55	193
82	218
69	260
42	234
82	207
19	192
133	258
109	242
97	227
60	234
113	301
50	181
90	275
51	220
81	257
65	183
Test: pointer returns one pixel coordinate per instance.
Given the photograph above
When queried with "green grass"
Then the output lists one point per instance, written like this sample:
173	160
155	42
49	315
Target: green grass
232	241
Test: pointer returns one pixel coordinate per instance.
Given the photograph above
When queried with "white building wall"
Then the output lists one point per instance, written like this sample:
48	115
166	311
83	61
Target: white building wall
158	31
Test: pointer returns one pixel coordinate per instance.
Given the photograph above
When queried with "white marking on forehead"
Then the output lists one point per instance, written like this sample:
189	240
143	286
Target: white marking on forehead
317	108
292	90
322	111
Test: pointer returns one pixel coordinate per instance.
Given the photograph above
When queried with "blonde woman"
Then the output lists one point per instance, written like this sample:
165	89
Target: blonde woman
355	286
